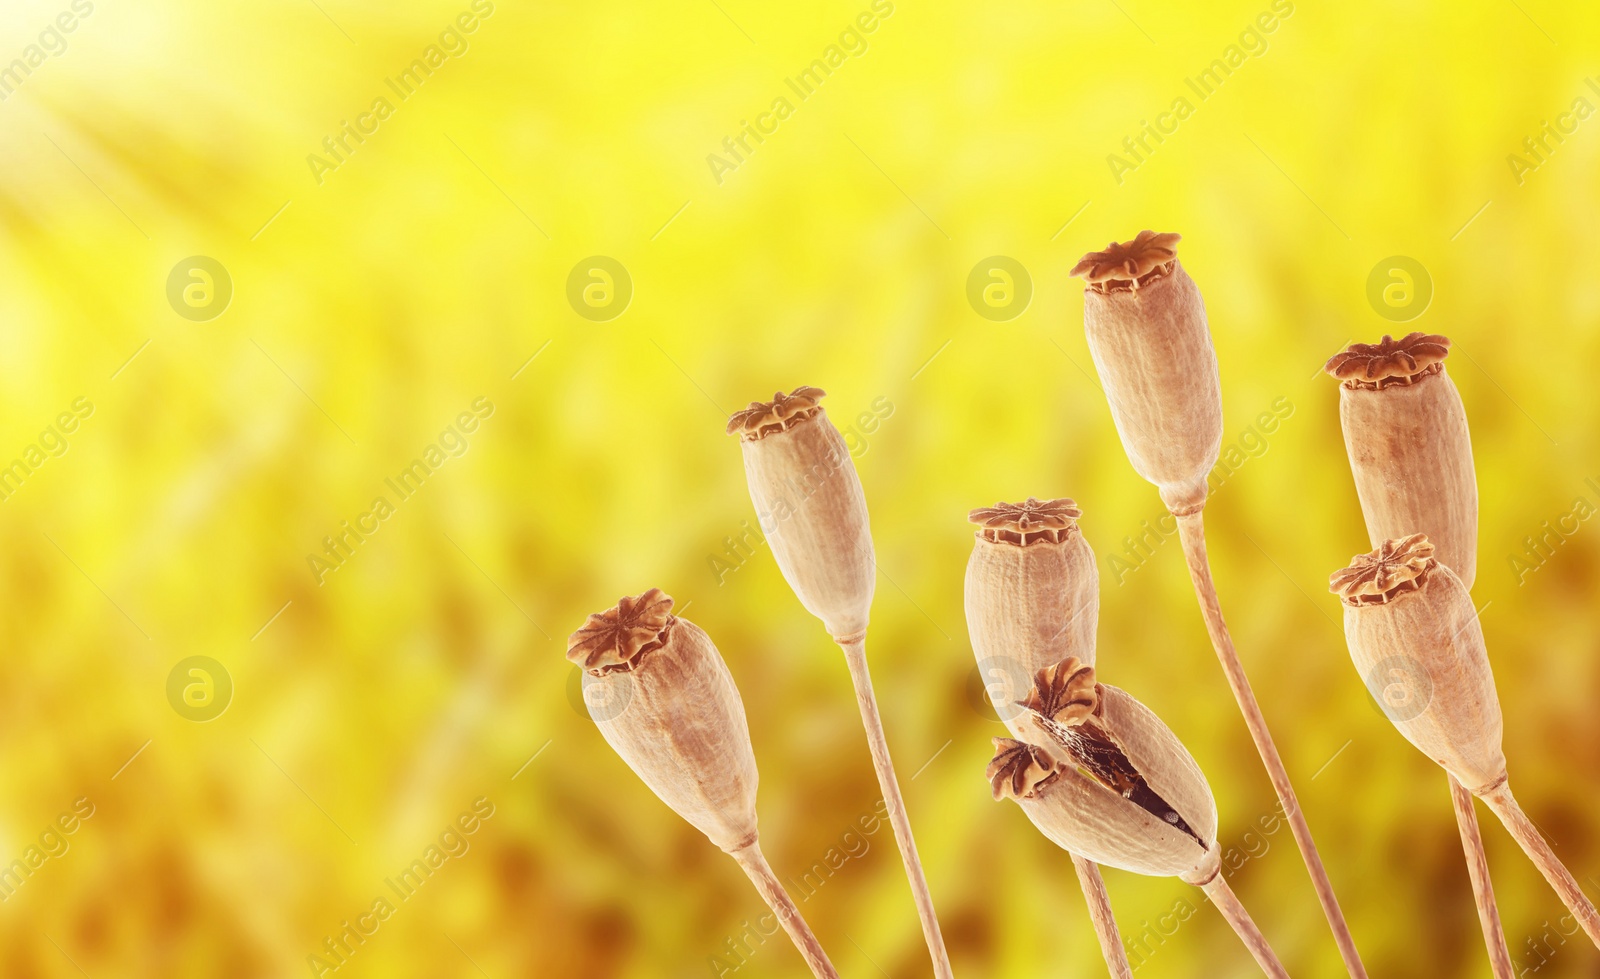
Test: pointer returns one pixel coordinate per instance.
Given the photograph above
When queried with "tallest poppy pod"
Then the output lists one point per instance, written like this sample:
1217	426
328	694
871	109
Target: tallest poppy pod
1146	326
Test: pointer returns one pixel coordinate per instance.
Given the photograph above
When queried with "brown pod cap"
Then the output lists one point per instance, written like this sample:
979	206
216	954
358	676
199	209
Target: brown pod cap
681	724
1032	595
810	505
1414	637
1147	332
1106	780
1405	430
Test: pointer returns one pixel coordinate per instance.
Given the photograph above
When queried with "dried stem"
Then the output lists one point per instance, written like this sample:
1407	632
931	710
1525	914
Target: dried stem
1228	903
778	900
1494	937
1105	924
1500	800
855	654
1191	530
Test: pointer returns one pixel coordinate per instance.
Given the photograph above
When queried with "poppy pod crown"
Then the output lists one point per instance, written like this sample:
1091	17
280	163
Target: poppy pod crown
1414	636
1147	332
1032	595
1405	430
809	502
672	713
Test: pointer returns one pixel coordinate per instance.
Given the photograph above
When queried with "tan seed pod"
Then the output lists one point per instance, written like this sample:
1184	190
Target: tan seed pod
810	505
1414	635
1147	332
1103	778
1032	595
1108	780
1405	430
1406	611
682	730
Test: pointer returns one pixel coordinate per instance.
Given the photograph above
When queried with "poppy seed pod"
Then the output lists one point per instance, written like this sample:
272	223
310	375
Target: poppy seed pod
1414	635
810	505
1405	430
1146	326
1032	595
1106	780
683	730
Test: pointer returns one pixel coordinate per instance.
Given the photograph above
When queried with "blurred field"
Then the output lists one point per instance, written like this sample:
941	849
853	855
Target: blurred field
415	279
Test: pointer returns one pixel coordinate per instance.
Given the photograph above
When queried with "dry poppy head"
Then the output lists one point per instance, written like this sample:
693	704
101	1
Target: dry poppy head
1065	693
782	413
1129	264
1018	769
1390	361
1028	521
1397	566
615	639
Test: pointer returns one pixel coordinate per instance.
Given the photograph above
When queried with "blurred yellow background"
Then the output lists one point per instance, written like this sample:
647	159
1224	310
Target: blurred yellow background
419	276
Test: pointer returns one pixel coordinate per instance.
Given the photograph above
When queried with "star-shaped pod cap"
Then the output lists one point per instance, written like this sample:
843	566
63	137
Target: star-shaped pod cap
1390	361
1397	566
1026	522
1129	264
616	638
782	413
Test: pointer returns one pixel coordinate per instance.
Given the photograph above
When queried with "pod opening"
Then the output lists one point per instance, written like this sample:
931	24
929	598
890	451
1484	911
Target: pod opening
1389	362
1030	522
782	413
1130	265
617	639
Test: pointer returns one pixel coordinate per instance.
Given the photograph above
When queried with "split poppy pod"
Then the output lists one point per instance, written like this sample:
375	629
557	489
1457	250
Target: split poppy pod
1405	430
1102	777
